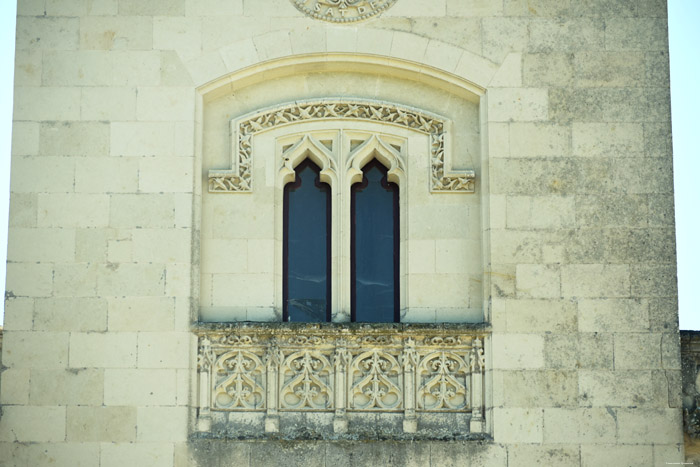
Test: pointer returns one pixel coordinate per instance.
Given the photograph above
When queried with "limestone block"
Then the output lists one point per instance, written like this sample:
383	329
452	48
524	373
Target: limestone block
548	69
165	103
152	8
510	75
31	8
225	256
479	455
654	280
614	69
595	280
438	290
19	313
66	387
142	210
161	245
607	139
141	313
540	388
660	209
442	55
620	388
70	314
408	454
110	350
184	35
230	453
42	174
657	68
670	353
33	424
136	68
518	351
47	103
136	455
662	426
15	386
514	425
502	35
671	453
47	33
657	140
163	350
473	8
452	256
106	175
91	244
66	7
217	30
645	246
636	34
120	250
29	279
618	455
538	8
162	424
28	68
112	424
25	138
613	315
414	8
73	210
41	245
243	290
540	212
178	280
130	279
142	387
261	256
523	455
164	174
408	46
173	71
64	454
273	44
583	350
206	68
507	104
537	280
77	68
341	39
259	218
108	103
637	351
240	54
566	35
544	176
205	7
540	315
612	210
511	246
75	280
663	314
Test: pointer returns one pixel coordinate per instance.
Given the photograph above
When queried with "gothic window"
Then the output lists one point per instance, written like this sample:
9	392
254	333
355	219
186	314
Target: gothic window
375	247
307	246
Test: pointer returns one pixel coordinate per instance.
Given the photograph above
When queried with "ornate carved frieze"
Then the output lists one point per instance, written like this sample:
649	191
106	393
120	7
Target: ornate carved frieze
239	179
342	11
339	370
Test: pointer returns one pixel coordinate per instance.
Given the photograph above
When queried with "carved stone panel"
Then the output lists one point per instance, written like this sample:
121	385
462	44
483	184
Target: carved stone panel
340	370
239	179
342	11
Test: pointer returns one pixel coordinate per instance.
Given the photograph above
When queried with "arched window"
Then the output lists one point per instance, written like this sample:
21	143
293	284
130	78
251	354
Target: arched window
307	247
374	247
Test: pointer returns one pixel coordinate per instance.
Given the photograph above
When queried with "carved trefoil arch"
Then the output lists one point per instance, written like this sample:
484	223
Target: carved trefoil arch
239	178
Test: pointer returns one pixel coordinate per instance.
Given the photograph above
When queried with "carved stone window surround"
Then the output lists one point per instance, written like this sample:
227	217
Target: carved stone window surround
348	371
239	179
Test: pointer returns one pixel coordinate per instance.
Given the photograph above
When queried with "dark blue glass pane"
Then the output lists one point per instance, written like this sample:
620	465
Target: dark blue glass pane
307	248
375	247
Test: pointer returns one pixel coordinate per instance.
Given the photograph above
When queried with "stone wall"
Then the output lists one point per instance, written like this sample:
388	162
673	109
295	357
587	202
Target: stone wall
559	147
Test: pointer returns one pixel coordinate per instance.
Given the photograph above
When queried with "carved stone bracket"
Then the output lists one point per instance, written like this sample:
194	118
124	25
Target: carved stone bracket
330	370
239	179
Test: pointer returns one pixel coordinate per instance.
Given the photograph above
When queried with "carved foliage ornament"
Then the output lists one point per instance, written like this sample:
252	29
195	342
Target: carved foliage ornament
342	11
239	178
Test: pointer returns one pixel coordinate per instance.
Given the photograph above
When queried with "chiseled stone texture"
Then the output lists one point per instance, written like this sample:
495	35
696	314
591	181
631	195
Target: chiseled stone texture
566	250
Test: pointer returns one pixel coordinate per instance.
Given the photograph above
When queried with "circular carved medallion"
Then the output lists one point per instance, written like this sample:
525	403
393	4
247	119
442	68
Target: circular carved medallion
342	11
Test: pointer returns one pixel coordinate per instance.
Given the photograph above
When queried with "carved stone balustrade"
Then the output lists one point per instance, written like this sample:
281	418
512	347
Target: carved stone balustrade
326	380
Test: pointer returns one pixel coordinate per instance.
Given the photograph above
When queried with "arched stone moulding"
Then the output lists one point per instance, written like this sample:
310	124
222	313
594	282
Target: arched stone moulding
239	179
